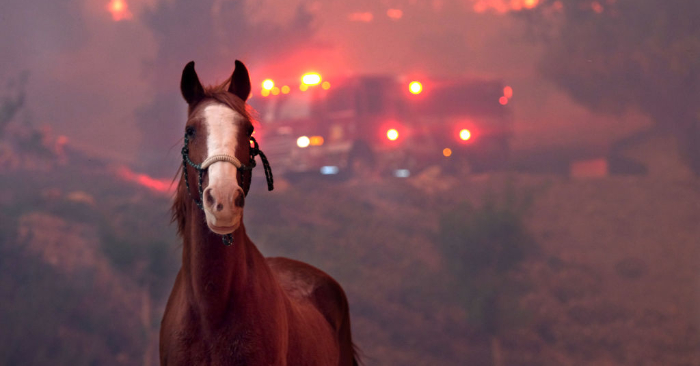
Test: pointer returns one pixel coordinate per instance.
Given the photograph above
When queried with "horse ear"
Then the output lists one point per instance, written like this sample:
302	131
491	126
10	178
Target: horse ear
190	87
240	81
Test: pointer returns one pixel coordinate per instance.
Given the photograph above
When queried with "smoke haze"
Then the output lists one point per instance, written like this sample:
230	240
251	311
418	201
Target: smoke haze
112	86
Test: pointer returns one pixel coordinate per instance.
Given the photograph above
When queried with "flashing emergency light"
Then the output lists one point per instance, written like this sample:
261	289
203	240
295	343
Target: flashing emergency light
268	84
508	92
303	141
392	134
465	134
311	78
316	140
415	87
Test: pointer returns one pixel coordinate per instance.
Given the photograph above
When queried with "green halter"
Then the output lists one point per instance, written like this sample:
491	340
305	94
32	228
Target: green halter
242	168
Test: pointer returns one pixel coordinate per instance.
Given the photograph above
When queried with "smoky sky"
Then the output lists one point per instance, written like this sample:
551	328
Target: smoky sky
213	34
112	87
39	28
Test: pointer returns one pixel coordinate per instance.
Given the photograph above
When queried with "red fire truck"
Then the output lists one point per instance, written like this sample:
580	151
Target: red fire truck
382	124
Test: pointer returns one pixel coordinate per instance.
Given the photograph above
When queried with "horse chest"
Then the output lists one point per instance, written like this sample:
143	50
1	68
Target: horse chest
242	344
225	348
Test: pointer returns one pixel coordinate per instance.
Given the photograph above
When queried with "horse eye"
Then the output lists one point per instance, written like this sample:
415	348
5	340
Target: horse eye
189	131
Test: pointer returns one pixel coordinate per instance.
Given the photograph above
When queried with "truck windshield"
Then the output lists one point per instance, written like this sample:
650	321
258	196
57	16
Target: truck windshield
462	98
287	107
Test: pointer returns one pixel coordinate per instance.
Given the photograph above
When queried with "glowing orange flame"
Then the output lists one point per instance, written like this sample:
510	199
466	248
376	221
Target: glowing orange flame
156	185
529	4
61	142
395	14
119	10
503	6
365	17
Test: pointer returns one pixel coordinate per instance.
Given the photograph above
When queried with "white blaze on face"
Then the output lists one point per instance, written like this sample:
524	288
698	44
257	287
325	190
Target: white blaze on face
222	125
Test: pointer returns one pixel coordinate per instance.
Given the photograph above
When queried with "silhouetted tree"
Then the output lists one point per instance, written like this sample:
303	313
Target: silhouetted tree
610	55
11	104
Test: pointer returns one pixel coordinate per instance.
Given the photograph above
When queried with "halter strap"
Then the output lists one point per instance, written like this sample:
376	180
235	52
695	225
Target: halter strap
221	157
201	168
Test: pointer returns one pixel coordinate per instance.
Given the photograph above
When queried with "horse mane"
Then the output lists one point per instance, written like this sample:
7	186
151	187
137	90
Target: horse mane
218	93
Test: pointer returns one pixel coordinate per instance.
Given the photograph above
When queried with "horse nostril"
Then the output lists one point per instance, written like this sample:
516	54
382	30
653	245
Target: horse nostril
219	207
209	198
240	200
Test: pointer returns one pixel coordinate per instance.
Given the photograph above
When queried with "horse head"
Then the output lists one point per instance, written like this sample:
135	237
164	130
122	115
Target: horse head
217	155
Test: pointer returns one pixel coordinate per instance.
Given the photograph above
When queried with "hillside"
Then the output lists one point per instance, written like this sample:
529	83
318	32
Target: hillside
614	283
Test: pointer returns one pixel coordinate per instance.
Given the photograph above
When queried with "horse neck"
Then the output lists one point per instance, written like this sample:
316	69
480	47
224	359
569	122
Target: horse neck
220	278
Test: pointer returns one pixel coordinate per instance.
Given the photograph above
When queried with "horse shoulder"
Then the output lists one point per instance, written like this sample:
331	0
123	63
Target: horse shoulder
304	282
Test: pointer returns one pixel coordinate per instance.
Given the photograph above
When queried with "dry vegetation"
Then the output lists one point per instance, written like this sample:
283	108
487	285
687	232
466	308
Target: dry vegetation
616	280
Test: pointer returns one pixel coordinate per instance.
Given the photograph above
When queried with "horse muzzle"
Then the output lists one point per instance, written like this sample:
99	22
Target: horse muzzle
223	199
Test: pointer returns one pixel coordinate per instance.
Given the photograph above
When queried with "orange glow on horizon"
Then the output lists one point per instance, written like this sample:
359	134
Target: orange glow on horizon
156	185
503	6
119	10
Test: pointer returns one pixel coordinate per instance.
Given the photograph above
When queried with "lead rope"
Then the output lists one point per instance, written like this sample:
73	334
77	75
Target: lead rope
255	150
266	165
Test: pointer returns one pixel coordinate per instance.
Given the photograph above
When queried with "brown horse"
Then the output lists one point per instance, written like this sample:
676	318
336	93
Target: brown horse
229	304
